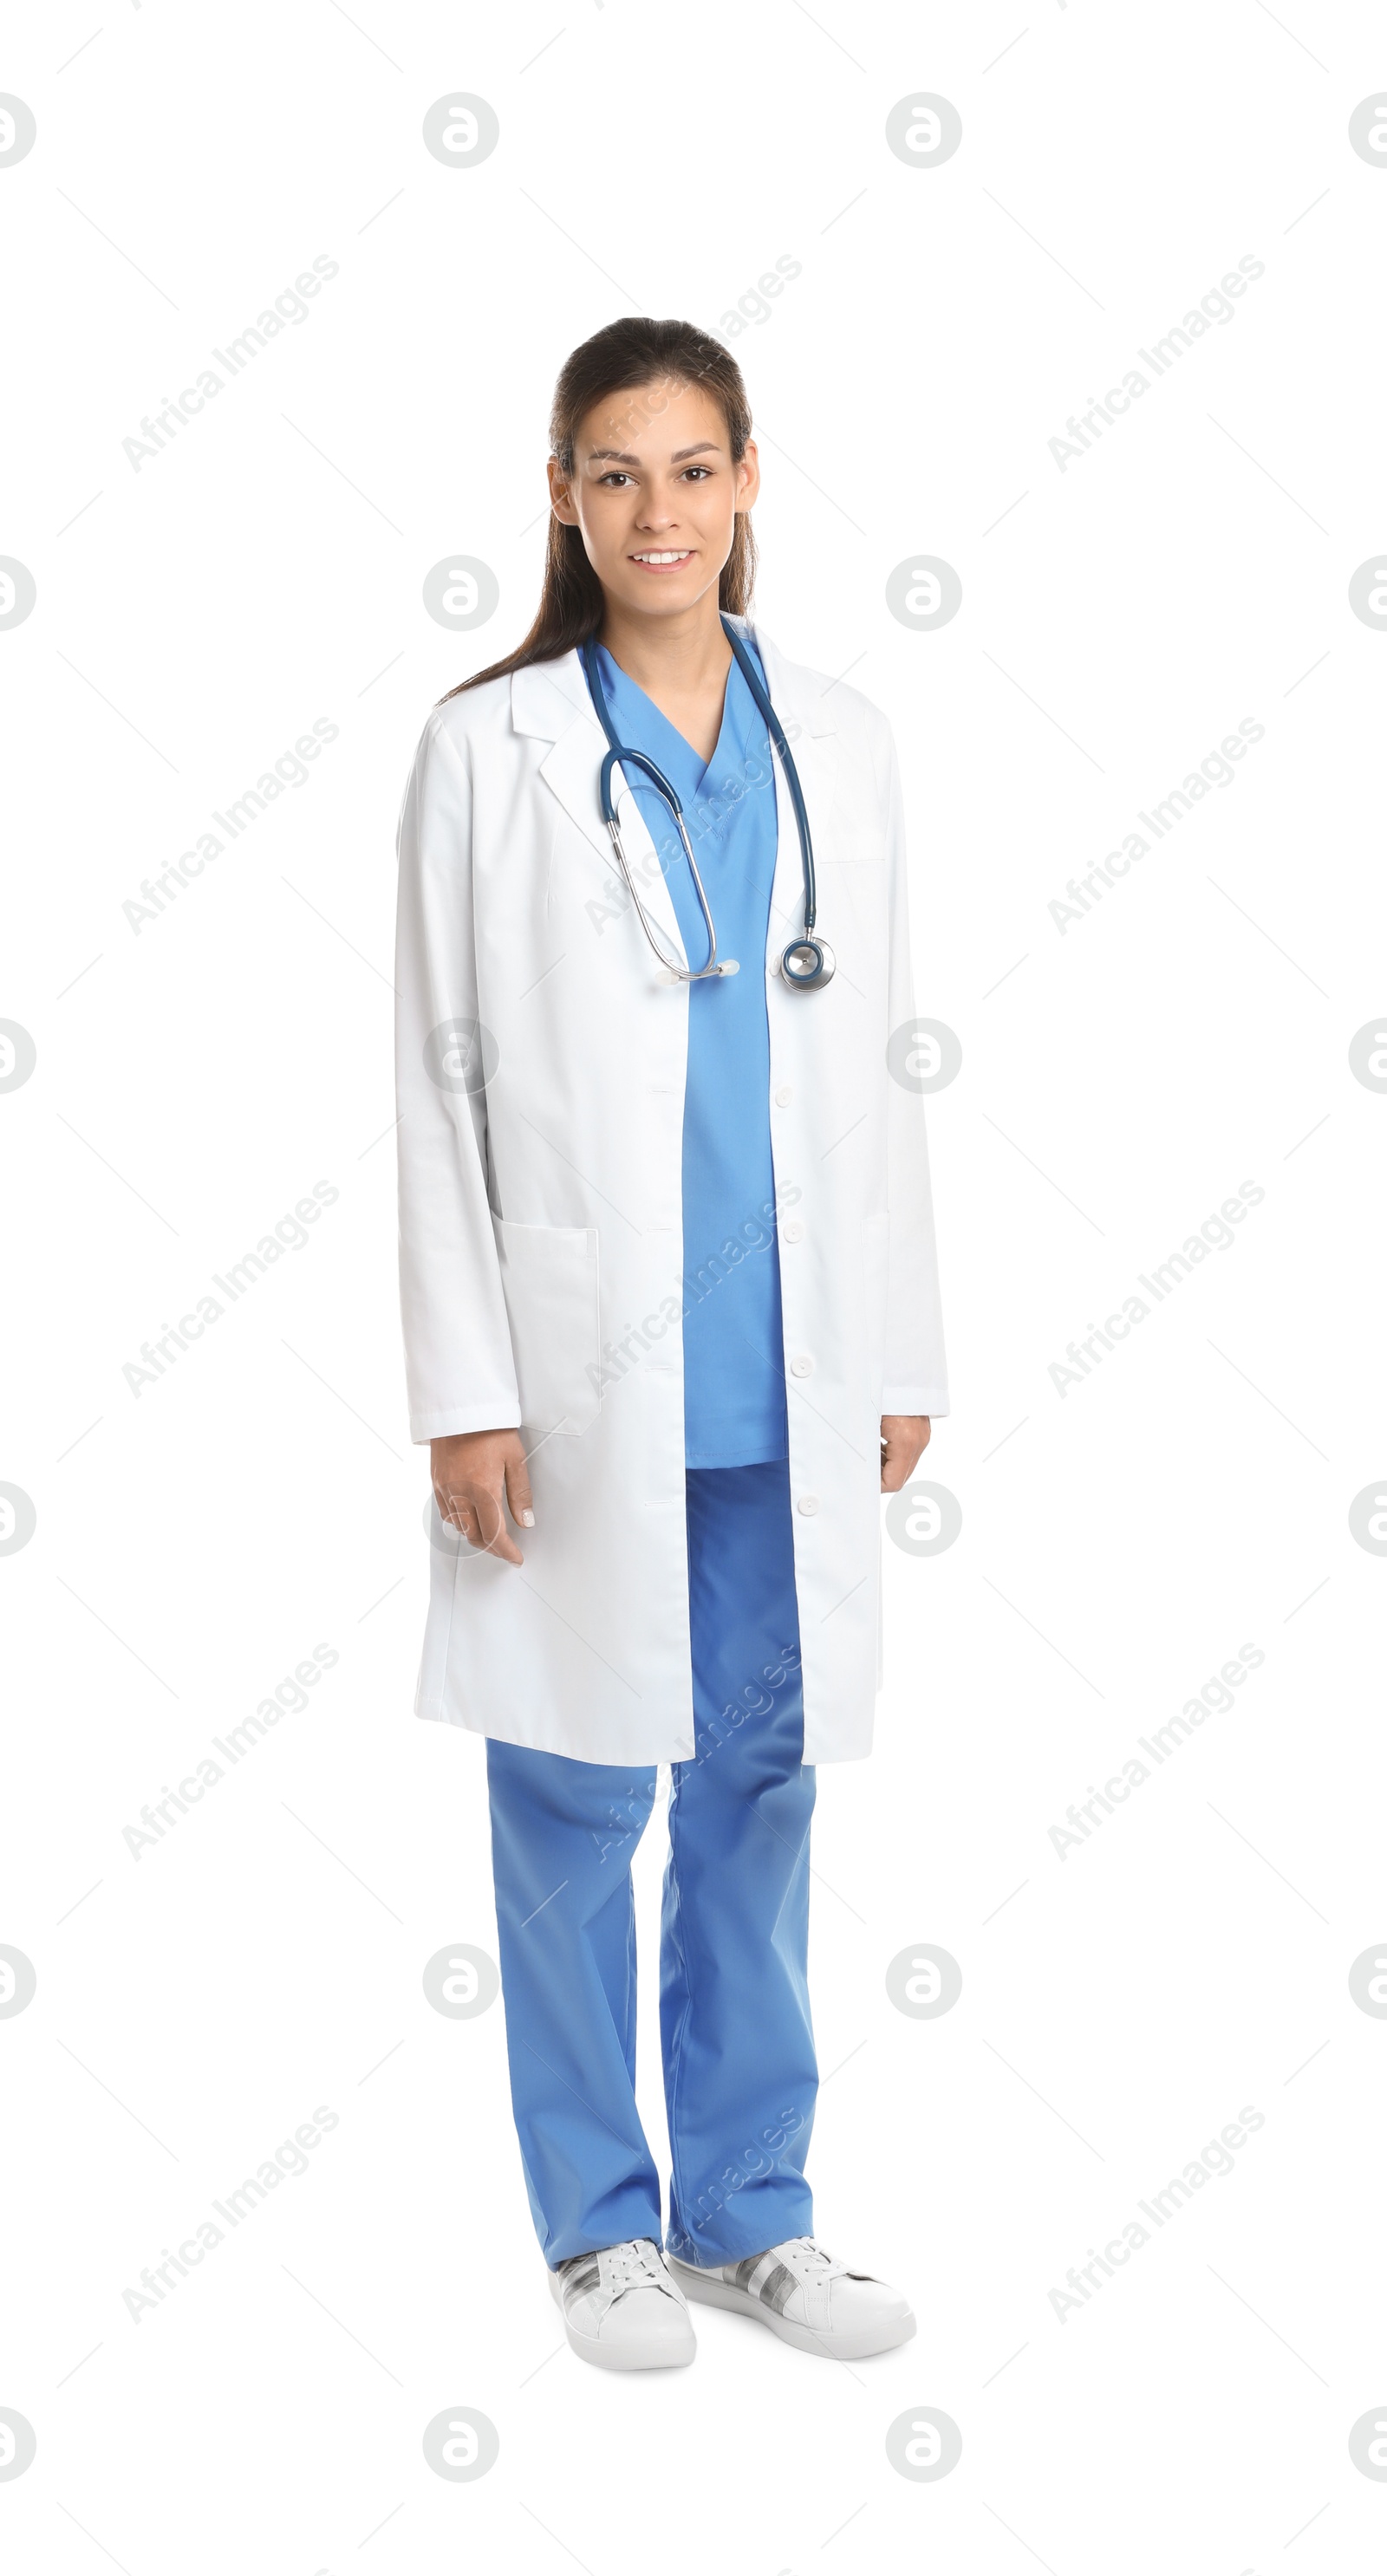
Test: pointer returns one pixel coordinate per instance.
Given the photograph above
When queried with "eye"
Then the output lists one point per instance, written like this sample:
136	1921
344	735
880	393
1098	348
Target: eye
614	475
702	471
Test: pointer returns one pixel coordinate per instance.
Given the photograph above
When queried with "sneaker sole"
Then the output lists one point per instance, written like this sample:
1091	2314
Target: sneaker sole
841	2347
606	2356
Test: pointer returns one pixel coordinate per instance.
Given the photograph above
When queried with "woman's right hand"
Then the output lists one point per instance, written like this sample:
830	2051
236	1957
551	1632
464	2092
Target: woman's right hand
475	1474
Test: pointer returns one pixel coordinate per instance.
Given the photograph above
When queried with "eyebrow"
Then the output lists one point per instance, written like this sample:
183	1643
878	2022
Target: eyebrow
621	456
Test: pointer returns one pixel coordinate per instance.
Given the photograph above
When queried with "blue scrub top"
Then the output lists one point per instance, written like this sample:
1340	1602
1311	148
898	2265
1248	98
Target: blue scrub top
734	1380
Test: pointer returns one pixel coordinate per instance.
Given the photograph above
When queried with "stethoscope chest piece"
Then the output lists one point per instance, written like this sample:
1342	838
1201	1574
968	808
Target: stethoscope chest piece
808	963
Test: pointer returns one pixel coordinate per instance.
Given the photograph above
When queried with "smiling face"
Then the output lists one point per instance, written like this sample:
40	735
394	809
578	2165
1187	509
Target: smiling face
656	494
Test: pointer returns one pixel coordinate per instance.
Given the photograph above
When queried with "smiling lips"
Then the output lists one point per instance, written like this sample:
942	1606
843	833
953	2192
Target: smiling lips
658	561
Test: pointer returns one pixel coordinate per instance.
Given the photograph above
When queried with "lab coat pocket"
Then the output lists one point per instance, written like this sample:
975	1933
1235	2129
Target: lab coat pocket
549	1275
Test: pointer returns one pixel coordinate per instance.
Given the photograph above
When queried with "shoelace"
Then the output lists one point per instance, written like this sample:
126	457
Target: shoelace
813	2251
632	2262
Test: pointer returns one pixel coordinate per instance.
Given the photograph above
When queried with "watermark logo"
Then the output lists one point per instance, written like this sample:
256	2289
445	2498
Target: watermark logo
1367	592
1367	132
461	591
461	1982
461	2443
18	1519
923	1055
1367	2443
460	1055
924	592
1367	1518
923	1519
1367	1055
18	1982
441	1534
18	1055
924	129
18	591
17	130
924	1981
460	130
1367	1981
18	2443
923	2443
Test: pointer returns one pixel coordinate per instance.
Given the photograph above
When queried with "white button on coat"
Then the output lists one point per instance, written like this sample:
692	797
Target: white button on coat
541	1243
793	1232
801	1365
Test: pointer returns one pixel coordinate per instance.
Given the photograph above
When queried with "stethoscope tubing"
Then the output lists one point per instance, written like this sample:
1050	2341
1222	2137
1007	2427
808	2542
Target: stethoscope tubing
816	966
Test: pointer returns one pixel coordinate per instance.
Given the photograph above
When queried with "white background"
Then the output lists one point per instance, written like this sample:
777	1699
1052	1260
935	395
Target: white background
1120	1542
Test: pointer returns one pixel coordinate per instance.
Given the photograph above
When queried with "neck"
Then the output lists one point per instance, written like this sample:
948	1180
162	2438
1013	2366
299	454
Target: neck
681	654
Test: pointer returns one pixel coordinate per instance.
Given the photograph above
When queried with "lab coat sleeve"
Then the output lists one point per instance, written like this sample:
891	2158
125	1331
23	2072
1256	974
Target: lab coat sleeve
915	1375
458	1360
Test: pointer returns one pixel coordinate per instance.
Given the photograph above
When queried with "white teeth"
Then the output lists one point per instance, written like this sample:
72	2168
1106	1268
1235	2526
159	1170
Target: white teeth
680	557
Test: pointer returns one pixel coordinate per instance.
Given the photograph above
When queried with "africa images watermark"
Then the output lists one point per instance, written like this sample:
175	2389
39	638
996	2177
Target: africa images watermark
1215	770
289	308
289	1235
755	1234
290	770
1216	2159
1215	1235
759	2156
288	2160
1217	307
754	306
287	1698
1214	1697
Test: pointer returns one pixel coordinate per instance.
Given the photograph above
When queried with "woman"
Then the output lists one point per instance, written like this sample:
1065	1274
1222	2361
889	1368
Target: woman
671	1312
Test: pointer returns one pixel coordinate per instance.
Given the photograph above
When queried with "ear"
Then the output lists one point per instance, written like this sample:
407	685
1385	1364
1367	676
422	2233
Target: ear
748	477
560	494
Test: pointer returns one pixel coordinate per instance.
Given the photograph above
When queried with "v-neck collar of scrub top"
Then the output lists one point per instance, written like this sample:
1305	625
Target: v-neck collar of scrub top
670	749
551	702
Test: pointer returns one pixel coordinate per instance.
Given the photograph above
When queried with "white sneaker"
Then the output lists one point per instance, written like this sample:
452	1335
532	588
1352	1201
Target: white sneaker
622	2310
808	2299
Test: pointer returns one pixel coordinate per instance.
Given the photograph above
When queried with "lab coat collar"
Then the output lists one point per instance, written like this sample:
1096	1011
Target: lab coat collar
546	697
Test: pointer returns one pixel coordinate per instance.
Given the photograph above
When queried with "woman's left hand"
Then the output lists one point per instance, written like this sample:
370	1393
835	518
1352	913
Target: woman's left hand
904	1440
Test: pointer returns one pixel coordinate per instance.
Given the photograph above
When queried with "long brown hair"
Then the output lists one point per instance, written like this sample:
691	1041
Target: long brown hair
633	356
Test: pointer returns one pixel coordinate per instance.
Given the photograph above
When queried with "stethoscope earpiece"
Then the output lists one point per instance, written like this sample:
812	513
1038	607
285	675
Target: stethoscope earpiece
807	963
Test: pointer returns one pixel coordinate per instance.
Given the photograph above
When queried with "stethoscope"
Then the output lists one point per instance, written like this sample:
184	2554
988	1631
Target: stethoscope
808	961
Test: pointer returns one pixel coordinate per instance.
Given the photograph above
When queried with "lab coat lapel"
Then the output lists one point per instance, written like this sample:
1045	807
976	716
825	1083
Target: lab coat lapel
551	699
808	719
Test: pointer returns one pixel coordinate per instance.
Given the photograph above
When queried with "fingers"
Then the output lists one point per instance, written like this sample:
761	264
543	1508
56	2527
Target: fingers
475	1510
904	1440
518	1494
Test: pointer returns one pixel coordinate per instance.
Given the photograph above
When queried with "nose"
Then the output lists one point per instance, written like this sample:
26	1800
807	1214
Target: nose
658	513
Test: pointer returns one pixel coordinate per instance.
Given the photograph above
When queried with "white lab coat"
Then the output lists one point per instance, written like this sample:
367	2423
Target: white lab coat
541	1240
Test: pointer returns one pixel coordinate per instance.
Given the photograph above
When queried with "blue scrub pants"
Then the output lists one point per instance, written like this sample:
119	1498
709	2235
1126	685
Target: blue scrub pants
740	2072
